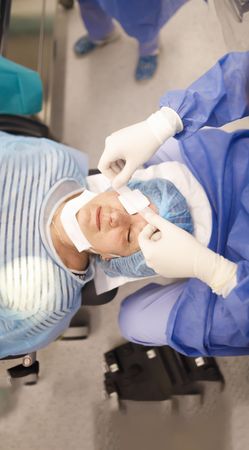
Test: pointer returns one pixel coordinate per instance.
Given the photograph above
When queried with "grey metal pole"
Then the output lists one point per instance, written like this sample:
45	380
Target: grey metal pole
5	8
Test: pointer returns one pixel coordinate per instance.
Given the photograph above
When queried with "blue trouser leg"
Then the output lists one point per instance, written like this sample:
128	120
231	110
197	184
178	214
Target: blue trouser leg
149	48
144	315
97	22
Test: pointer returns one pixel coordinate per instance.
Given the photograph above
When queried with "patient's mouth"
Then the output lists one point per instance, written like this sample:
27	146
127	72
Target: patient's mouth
98	222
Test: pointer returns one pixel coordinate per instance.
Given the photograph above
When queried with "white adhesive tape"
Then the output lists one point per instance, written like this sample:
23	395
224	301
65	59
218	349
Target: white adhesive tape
70	222
132	200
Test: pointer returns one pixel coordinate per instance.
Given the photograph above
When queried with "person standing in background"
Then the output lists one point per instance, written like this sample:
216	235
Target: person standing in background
141	19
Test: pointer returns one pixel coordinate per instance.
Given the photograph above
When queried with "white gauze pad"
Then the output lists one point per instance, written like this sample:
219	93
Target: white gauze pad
70	223
132	201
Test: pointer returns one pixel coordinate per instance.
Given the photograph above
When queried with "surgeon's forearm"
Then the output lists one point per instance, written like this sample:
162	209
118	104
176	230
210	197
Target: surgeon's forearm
218	97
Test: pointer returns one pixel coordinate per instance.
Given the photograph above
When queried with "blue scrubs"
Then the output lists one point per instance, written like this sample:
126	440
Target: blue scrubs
141	19
196	321
219	96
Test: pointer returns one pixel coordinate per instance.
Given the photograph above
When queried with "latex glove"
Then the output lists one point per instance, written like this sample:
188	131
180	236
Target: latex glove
174	253
126	149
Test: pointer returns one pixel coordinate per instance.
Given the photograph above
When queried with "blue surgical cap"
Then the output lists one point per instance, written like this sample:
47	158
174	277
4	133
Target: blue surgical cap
171	205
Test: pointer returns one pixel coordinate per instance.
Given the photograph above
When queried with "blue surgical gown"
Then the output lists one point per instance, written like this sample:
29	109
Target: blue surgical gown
189	317
220	96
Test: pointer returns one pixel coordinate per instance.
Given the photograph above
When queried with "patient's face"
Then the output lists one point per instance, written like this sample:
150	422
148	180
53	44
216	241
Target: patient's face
108	227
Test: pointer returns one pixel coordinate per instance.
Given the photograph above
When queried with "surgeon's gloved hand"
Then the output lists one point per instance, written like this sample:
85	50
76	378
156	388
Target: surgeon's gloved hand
174	253
126	149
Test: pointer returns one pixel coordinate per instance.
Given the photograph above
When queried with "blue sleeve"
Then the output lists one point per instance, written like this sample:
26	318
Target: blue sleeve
237	302
219	96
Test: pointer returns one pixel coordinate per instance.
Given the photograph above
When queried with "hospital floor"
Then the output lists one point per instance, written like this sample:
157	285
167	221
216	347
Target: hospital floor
67	408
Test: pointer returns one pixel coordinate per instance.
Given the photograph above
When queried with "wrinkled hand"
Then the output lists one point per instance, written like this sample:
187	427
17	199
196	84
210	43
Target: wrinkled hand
127	149
174	253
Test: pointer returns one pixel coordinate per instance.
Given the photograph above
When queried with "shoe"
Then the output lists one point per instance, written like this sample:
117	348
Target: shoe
84	44
146	67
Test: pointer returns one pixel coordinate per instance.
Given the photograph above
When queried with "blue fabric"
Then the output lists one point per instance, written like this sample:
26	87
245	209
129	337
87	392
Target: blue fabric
149	48
38	295
220	161
146	67
171	205
97	22
128	266
142	314
84	45
20	89
200	322
219	96
168	199
141	19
